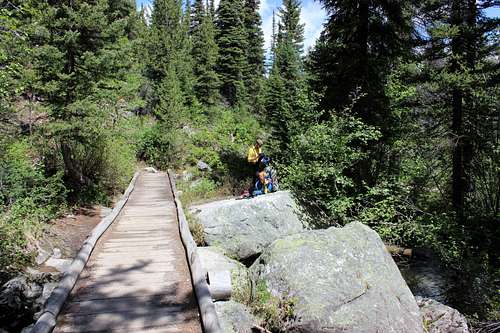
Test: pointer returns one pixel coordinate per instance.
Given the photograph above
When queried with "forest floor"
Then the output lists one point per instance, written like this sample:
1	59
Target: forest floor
70	231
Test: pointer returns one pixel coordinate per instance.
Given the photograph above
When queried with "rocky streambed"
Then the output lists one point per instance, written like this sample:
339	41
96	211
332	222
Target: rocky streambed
286	277
23	296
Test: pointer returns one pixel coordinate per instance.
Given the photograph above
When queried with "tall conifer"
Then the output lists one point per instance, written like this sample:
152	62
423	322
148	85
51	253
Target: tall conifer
204	54
233	43
254	71
166	58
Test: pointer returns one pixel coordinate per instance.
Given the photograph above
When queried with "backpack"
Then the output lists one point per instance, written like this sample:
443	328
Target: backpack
271	182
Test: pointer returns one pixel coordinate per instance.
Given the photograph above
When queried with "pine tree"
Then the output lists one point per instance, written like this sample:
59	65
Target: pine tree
233	43
204	54
290	28
82	62
254	71
287	102
459	39
356	52
168	58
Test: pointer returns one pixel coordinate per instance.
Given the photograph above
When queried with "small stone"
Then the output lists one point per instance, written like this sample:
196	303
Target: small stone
439	318
56	253
60	265
187	176
48	288
150	170
42	256
203	166
32	291
105	211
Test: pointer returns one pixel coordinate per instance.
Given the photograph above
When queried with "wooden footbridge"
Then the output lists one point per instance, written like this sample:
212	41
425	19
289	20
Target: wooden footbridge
134	274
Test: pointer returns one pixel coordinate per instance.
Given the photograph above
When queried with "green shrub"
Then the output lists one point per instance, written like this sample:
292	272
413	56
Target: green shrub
277	313
29	198
322	160
162	147
196	229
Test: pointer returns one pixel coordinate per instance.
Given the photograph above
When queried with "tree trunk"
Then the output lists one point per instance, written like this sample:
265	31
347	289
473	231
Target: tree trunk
458	186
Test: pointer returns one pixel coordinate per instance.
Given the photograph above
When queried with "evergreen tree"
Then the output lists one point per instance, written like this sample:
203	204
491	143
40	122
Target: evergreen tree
459	39
361	42
287	102
254	71
290	28
204	54
233	43
81	61
168	58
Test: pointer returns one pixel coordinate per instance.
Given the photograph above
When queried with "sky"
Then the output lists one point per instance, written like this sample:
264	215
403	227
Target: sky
312	15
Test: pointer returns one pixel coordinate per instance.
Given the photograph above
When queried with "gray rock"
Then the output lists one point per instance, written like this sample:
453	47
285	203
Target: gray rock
60	265
234	317
42	256
439	318
33	290
244	228
150	170
187	176
56	253
48	288
203	166
341	280
213	260
15	307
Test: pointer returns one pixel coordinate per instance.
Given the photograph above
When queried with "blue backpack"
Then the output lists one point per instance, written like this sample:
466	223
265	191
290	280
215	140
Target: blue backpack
271	182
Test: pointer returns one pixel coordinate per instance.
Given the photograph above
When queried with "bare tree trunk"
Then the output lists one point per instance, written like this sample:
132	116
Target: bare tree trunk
458	174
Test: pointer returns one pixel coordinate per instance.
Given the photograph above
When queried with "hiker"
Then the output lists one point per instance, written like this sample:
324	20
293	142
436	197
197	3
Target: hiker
264	182
254	156
264	178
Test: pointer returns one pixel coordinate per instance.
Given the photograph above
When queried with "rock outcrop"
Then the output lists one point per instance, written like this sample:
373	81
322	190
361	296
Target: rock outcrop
244	228
234	317
342	280
23	296
439	318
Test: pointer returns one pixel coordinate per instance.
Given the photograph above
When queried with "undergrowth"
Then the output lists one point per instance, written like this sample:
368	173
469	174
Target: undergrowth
277	313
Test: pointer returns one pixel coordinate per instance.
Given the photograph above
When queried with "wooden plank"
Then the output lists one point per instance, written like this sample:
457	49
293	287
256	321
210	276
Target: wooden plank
115	305
126	322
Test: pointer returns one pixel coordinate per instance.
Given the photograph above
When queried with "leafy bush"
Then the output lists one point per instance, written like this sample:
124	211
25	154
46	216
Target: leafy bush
28	199
322	160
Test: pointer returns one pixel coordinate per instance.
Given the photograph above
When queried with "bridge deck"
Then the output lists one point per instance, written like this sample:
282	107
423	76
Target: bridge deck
137	279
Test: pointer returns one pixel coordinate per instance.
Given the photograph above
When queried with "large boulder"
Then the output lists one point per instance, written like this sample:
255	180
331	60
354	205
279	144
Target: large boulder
341	280
235	317
439	318
243	228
